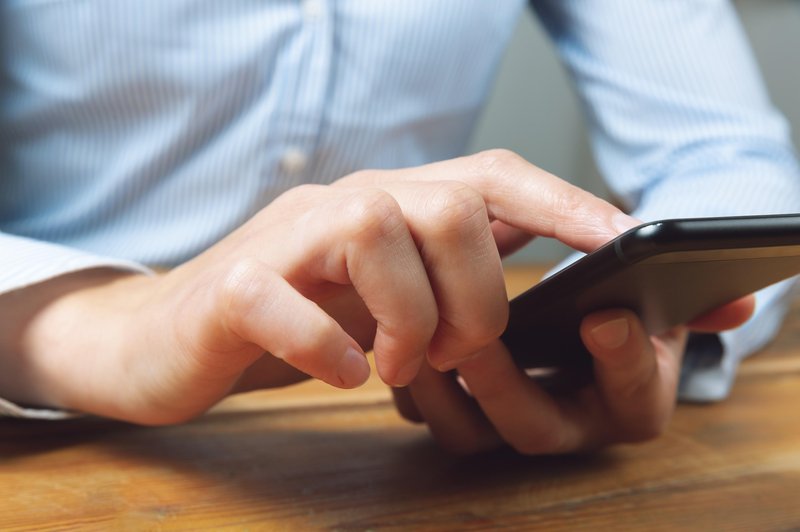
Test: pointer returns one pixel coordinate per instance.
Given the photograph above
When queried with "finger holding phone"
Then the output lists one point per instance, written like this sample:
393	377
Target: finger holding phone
630	399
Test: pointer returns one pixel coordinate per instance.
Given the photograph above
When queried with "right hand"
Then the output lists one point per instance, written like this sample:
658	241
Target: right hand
406	262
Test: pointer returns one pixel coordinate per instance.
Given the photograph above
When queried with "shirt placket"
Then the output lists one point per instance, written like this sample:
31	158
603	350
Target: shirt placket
309	94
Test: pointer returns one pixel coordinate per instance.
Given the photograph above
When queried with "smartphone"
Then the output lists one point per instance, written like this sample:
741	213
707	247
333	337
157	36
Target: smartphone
667	272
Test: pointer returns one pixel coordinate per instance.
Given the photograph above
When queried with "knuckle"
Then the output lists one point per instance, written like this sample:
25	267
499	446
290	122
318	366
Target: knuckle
358	177
304	190
571	201
457	206
572	213
497	161
299	195
363	177
372	215
241	290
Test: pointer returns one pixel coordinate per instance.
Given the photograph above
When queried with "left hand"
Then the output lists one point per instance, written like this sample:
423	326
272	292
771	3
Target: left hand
631	399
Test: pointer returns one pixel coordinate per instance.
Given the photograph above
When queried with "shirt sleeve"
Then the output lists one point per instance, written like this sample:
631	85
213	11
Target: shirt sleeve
682	126
25	262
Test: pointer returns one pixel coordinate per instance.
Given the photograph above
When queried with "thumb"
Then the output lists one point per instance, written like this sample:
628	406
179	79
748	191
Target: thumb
636	375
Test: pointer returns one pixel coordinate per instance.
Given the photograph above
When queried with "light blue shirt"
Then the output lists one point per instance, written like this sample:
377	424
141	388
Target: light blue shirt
136	133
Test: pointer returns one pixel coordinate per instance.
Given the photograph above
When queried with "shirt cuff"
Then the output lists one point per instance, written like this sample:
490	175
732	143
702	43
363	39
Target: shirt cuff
709	366
24	262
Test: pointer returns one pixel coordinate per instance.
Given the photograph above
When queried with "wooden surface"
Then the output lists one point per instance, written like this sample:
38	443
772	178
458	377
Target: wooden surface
311	458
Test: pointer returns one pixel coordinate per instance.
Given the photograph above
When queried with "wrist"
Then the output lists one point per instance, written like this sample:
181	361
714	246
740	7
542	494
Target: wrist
57	337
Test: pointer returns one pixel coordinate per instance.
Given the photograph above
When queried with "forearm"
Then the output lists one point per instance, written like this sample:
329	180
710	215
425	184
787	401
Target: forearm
680	119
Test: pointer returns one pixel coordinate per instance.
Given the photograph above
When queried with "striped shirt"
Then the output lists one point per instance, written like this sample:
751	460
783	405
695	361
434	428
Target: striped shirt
135	134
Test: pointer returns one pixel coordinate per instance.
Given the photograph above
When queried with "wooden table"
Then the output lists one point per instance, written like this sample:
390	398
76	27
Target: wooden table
311	458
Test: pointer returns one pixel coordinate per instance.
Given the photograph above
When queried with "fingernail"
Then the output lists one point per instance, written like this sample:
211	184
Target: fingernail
612	334
622	222
353	369
406	374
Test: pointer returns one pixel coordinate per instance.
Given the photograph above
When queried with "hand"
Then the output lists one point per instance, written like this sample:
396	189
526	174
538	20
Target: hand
631	398
406	262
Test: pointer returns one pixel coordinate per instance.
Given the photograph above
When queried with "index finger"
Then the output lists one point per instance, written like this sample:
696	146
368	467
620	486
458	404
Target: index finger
521	195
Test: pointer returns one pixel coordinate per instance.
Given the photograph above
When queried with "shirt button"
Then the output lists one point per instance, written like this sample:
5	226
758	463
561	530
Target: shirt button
294	161
313	9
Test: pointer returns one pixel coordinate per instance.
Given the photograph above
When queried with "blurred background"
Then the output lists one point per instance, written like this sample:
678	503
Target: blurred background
534	111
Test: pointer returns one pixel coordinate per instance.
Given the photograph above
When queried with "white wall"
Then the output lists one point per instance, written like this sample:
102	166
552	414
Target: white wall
534	111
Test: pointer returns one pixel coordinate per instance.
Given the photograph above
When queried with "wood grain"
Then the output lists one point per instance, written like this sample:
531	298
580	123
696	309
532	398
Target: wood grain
312	458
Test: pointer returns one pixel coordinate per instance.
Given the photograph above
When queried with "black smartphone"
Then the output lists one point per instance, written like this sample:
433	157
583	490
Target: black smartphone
668	272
